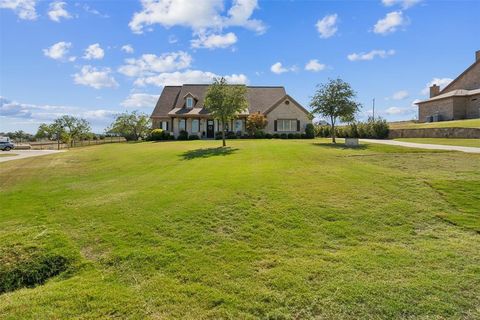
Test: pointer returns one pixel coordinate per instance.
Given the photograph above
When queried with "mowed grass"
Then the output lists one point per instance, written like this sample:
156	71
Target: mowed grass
7	155
444	141
469	123
270	229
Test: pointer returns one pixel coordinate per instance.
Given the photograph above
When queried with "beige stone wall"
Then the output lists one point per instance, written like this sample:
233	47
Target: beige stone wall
462	133
468	81
473	106
286	111
443	107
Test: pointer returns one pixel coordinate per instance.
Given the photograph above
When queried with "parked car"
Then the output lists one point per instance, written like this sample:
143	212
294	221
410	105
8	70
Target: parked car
6	145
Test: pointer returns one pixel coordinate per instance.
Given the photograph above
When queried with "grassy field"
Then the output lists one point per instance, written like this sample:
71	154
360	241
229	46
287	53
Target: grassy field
470	123
444	141
271	229
7	154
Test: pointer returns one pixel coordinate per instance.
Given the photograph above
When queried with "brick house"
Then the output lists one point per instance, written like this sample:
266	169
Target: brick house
459	100
180	108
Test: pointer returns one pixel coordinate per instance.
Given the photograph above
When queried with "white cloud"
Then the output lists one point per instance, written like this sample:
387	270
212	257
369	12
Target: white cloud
172	39
127	48
24	9
95	78
59	51
405	4
93	11
150	64
396	111
391	23
315	66
187	13
140	100
46	113
441	82
327	26
57	11
278	68
363	56
94	51
188	76
400	95
214	41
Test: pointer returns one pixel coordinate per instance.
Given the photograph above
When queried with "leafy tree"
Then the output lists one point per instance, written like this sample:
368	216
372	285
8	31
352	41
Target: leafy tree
45	131
225	102
133	126
335	100
70	128
256	122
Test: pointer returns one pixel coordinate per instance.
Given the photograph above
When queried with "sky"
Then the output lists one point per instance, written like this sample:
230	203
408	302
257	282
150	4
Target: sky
95	59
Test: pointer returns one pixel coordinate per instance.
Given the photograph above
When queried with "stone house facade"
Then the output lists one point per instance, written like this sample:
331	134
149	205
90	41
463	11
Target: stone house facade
181	108
459	100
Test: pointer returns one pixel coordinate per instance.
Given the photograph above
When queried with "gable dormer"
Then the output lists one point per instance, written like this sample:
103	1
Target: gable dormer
190	101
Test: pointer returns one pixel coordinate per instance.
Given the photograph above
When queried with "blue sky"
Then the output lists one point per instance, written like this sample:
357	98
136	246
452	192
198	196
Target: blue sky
94	59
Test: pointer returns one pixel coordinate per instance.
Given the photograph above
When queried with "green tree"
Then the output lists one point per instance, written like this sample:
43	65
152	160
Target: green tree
70	128
45	131
224	102
335	100
133	126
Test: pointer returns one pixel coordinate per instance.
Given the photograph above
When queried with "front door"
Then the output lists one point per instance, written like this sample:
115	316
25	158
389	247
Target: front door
210	129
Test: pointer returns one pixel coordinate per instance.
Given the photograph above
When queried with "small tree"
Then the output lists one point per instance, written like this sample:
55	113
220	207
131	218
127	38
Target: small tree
45	131
225	102
70	129
133	126
335	100
256	122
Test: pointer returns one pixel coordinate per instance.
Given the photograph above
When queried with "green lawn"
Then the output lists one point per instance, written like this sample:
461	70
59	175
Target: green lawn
271	229
469	123
7	154
445	141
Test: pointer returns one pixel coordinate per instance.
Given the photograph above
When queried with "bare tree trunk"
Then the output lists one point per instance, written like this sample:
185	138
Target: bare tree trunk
333	133
224	144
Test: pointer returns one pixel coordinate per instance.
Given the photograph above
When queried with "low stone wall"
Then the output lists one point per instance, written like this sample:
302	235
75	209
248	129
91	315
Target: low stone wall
462	133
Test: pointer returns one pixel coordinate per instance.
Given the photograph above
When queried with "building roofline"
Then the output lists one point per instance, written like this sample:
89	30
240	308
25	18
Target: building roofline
458	78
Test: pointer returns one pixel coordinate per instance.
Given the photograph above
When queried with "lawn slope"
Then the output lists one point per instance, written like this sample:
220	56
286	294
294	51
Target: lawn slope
277	229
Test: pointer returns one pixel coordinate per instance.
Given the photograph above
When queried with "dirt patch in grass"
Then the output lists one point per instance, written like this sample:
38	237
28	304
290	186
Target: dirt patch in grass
29	258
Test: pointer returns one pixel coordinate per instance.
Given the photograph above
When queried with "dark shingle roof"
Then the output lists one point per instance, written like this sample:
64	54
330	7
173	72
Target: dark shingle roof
259	98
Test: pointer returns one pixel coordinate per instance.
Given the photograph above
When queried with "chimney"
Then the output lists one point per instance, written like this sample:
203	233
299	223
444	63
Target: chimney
477	55
434	91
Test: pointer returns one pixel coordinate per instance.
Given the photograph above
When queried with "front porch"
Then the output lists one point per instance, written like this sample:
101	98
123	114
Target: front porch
203	127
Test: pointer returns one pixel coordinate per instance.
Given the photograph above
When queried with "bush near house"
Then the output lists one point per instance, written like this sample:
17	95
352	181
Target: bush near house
371	129
183	135
160	135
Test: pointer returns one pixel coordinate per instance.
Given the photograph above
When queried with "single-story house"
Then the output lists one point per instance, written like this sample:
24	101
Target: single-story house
458	100
181	108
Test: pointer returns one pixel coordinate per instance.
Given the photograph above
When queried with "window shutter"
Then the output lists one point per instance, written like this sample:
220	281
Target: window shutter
166	125
275	125
298	125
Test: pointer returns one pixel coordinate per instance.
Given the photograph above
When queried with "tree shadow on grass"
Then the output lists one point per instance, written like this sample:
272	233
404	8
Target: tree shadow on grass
340	146
207	153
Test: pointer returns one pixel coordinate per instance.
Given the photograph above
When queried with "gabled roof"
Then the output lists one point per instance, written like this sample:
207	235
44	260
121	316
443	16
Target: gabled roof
454	93
260	98
285	97
457	79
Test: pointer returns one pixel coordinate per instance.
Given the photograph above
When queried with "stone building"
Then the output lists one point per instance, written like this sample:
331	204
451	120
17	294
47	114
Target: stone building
459	100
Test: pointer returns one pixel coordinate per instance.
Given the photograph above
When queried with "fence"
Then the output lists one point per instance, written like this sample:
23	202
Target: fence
55	145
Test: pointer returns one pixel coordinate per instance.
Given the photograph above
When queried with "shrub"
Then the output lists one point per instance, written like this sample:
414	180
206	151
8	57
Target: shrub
218	135
303	136
268	136
256	122
259	135
276	136
159	134
193	137
230	135
291	136
310	131
380	128
298	135
283	136
183	135
245	136
322	131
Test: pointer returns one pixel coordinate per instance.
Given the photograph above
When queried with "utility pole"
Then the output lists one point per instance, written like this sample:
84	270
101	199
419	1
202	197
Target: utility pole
373	109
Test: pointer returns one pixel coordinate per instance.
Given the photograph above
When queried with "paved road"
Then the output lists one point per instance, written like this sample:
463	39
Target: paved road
424	145
22	154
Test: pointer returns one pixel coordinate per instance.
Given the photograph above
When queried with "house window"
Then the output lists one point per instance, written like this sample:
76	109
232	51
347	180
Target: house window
238	125
189	102
195	125
181	124
164	125
286	125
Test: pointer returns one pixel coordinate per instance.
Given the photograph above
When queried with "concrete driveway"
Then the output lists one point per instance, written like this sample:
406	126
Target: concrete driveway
423	145
22	154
